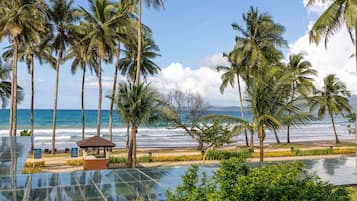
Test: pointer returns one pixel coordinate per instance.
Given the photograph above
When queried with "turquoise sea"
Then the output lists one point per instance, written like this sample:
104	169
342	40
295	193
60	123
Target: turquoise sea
161	135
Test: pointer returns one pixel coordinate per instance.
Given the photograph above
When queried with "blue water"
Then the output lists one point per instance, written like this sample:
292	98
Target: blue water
160	135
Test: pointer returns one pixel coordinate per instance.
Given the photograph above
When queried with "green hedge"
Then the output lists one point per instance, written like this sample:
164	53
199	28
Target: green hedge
37	164
223	155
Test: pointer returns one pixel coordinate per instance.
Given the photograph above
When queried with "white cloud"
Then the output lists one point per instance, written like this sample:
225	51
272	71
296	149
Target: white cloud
215	60
336	59
318	7
203	80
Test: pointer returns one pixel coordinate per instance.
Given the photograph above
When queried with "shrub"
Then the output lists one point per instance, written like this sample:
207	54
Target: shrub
30	170
75	162
116	159
237	181
312	152
273	154
36	164
344	151
221	154
143	159
25	133
195	157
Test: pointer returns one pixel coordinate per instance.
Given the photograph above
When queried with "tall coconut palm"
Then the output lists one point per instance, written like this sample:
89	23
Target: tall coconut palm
339	12
229	76
149	3
125	24
63	17
333	99
101	21
81	59
302	82
258	41
21	20
139	104
128	64
268	83
27	52
257	44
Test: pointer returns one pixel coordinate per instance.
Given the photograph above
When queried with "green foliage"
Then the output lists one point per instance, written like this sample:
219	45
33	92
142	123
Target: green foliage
215	134
37	164
75	162
195	157
194	187
117	159
222	154
236	181
298	152
25	133
30	170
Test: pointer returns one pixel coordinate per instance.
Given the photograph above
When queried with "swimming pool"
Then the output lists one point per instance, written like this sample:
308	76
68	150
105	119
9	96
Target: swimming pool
129	184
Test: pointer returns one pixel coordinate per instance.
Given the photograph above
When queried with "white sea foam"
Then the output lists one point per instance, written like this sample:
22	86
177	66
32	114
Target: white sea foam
164	137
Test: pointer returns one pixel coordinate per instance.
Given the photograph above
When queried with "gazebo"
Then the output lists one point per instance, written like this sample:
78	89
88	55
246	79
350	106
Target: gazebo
97	160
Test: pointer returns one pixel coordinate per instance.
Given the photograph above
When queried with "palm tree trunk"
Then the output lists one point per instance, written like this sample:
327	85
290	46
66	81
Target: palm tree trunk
32	117
13	108
242	109
288	127
138	56
127	136
134	145
13	167
82	101
99	97
132	148
276	136
334	129
288	133
261	135
59	60
251	145
113	94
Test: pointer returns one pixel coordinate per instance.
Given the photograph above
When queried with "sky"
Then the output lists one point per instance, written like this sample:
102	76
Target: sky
192	36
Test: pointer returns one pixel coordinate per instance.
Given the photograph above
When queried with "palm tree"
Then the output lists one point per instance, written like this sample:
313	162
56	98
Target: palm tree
268	83
101	21
258	40
302	82
5	86
27	53
139	104
155	4
125	24
231	74
257	45
128	63
63	16
22	20
82	60
340	12
333	99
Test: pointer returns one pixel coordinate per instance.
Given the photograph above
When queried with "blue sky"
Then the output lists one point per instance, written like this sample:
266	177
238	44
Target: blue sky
192	35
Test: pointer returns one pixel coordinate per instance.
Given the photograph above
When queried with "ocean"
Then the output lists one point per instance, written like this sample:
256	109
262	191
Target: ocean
68	130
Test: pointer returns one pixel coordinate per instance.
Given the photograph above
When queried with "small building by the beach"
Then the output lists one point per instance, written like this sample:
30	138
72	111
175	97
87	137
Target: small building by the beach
95	152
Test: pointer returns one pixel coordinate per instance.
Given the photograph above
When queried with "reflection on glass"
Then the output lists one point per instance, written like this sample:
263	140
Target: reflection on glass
310	164
330	164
